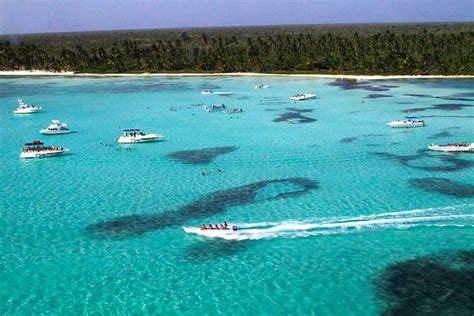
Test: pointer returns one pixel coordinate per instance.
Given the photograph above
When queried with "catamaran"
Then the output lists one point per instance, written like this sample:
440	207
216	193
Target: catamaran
456	147
24	108
135	135
36	149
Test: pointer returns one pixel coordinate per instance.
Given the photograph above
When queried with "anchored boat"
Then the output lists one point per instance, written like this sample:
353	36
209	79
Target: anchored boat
303	96
135	135
24	108
457	147
409	121
36	149
55	128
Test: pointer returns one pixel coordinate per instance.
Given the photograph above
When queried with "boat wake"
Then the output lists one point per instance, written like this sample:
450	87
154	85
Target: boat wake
451	216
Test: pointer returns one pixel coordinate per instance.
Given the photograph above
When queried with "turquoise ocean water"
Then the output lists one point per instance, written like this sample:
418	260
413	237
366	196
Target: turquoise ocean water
333	202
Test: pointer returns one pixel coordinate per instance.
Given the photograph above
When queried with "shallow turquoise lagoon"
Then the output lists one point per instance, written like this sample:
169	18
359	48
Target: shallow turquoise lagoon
343	215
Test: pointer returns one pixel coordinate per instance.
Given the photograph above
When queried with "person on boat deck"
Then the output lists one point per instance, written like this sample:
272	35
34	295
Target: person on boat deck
225	224
210	226
203	227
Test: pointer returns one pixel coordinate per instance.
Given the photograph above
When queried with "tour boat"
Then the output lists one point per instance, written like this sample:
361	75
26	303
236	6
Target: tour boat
457	147
261	86
304	96
135	135
409	121
36	149
24	108
55	128
209	92
214	108
212	232
233	110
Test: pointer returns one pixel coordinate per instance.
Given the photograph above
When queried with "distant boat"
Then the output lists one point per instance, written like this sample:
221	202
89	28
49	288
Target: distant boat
303	96
36	149
457	147
410	121
24	108
135	135
214	108
261	86
55	128
233	110
209	92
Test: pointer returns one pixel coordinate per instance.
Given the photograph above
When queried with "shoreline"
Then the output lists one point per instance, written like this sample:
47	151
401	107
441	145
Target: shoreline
243	74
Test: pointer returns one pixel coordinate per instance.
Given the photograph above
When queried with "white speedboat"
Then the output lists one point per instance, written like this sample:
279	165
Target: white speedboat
214	231
304	96
214	108
409	121
55	128
36	149
458	147
233	110
261	86
24	108
209	92
135	135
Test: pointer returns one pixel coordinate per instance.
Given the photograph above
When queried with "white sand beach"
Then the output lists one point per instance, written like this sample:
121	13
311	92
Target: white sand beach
354	77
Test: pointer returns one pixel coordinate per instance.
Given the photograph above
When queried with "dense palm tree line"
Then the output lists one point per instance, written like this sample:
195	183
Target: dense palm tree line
388	52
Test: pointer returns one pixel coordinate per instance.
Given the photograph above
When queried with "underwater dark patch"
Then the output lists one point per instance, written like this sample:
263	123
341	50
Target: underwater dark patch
373	145
444	186
453	97
449	163
295	116
378	96
243	97
348	139
200	156
431	285
271	110
352	84
442	107
211	249
206	206
442	134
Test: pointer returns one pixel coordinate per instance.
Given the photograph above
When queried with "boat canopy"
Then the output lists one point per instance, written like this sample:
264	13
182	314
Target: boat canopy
35	143
411	117
132	130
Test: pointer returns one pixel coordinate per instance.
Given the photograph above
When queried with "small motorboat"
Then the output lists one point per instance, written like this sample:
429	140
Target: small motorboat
261	86
457	147
36	149
209	92
233	110
303	96
214	108
212	231
24	108
135	135
55	128
409	121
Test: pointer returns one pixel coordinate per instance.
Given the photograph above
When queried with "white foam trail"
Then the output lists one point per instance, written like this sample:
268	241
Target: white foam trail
439	217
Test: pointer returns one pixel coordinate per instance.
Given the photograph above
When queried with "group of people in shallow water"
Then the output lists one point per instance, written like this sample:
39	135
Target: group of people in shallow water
215	226
42	148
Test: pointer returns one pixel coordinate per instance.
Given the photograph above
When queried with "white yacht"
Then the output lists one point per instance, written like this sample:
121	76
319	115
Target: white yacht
24	108
209	92
55	128
458	147
261	86
409	121
214	108
303	96
36	149
135	135
233	110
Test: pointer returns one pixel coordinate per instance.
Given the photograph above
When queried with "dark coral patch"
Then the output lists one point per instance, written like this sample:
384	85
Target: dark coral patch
200	156
208	205
378	96
352	84
431	285
444	186
443	107
348	139
295	116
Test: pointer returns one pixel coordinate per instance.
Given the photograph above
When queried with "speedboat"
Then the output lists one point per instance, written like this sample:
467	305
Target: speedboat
261	86
212	231
36	149
135	135
304	96
209	92
24	108
55	128
233	110
457	147
214	108
409	121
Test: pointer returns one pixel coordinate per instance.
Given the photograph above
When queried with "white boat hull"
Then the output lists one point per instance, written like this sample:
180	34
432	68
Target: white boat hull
469	148
42	154
303	97
221	233
406	124
26	111
139	139
52	132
